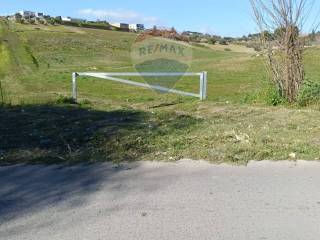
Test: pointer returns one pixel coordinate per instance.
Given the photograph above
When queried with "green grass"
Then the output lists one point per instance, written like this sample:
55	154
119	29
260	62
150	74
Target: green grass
62	133
52	134
50	54
115	122
312	59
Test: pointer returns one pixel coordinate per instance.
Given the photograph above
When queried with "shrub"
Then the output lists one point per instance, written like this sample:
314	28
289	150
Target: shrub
85	102
65	100
194	39
199	45
309	93
223	42
212	41
256	46
273	97
41	21
51	21
204	40
268	95
32	21
58	20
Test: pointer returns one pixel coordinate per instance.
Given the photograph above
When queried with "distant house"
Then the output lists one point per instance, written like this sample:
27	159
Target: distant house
136	27
121	26
66	19
190	33
39	15
27	14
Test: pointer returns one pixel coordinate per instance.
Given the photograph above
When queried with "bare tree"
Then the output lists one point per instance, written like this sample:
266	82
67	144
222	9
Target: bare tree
284	50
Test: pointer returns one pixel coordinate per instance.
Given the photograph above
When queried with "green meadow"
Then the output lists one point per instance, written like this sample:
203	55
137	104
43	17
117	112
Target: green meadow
46	56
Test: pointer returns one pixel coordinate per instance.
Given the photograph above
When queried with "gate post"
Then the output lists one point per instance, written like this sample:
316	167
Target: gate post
74	86
203	85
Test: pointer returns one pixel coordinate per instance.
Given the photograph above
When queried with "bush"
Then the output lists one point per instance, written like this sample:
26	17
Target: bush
273	97
65	100
41	21
212	41
309	93
269	95
195	39
204	40
20	21
85	102
256	46
199	45
223	42
32	21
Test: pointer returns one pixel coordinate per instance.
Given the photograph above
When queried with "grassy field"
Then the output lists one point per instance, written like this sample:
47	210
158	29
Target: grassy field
114	122
48	55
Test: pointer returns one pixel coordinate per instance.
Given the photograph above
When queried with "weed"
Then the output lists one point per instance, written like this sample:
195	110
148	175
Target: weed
309	93
65	100
34	59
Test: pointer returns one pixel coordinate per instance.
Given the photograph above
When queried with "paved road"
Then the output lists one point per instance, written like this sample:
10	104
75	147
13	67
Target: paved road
186	200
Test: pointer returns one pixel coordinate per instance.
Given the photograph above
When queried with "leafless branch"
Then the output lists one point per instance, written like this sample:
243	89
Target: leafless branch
284	19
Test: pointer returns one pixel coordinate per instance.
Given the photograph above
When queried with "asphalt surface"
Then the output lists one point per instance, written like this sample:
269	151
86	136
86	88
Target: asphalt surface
185	200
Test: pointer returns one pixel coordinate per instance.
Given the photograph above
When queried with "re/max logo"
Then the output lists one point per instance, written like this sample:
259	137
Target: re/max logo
161	48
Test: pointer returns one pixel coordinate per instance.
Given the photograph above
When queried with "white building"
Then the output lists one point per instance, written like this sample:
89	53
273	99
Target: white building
39	15
27	14
123	26
66	19
136	27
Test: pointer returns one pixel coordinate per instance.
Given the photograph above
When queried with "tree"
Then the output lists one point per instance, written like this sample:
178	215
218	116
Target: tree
173	30
244	38
58	20
223	42
32	21
312	35
51	20
18	17
212	40
284	53
267	35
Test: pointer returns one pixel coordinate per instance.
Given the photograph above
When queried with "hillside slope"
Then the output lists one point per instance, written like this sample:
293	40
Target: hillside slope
47	55
39	61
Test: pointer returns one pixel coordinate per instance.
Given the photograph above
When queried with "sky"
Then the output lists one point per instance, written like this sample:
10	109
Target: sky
227	18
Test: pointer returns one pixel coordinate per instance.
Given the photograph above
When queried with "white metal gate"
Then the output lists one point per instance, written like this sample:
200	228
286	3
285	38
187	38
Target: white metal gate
112	77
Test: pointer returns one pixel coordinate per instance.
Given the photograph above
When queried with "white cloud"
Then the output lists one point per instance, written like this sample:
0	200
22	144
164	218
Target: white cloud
119	15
